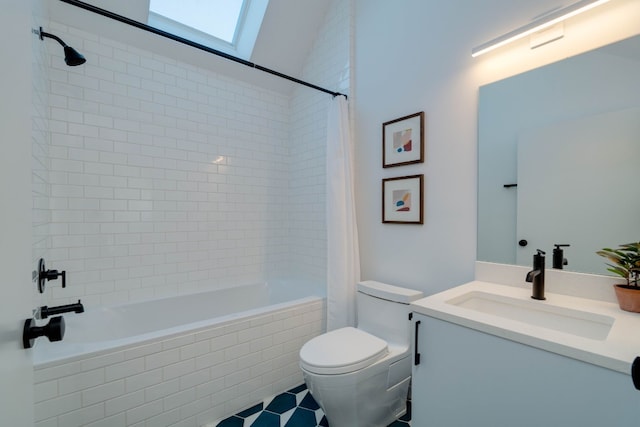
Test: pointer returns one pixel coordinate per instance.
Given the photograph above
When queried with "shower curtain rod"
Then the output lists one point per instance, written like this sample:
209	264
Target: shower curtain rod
188	42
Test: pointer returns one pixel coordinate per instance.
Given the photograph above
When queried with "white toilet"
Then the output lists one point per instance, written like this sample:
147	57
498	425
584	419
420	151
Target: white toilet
360	376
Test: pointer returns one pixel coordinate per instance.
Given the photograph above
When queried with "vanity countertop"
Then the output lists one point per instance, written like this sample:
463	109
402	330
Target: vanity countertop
614	347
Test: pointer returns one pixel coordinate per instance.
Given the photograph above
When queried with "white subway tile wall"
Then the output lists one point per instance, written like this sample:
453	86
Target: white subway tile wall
40	174
165	178
189	380
328	66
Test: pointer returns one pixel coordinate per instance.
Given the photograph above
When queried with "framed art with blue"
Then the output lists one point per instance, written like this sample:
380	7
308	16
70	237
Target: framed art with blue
403	141
402	200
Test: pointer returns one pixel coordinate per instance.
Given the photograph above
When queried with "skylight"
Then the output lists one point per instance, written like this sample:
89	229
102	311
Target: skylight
218	18
231	26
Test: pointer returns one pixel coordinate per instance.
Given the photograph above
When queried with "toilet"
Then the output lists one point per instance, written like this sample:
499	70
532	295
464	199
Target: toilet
360	376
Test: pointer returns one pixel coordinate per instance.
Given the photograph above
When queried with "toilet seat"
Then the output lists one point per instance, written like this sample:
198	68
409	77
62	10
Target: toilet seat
342	351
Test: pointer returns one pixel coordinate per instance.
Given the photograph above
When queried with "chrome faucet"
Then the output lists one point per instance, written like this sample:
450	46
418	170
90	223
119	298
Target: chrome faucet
536	276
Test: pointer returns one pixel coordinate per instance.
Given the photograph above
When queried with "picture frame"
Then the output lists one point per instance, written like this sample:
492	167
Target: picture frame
402	200
403	141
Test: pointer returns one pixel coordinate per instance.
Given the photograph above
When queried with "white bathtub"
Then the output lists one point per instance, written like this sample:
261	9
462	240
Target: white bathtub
104	328
207	354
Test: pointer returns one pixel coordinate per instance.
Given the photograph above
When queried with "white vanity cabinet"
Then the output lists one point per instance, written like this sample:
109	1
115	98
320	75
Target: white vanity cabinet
466	377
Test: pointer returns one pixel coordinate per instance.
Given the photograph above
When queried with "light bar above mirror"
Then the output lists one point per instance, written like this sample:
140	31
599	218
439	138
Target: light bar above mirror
540	24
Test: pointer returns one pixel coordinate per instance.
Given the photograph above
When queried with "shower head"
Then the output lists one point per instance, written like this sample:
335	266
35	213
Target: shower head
71	56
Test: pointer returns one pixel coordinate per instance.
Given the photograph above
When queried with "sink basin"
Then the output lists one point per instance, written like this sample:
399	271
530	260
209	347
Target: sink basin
537	313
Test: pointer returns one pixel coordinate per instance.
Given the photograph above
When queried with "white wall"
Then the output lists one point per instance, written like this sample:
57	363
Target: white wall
327	66
16	370
417	58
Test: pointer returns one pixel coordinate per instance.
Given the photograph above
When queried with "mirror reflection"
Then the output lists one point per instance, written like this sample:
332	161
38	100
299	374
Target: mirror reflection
558	158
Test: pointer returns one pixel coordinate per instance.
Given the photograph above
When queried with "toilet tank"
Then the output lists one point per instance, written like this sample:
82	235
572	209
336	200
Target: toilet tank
383	311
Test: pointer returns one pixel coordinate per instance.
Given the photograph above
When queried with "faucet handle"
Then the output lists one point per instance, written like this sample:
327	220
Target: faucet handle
559	261
54	274
54	330
45	275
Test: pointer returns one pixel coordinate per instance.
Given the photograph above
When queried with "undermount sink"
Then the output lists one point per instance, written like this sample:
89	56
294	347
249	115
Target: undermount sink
537	313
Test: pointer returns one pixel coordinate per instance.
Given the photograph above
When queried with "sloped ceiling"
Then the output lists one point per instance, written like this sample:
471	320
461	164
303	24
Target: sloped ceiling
287	34
286	37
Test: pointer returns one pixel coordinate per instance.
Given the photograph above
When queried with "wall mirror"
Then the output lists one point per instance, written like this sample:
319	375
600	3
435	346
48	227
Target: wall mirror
558	159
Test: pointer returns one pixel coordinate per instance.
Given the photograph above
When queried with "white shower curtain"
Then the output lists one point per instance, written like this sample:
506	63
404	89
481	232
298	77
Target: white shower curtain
343	259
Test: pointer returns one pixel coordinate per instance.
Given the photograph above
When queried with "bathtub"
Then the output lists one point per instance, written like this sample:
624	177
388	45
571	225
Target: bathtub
197	357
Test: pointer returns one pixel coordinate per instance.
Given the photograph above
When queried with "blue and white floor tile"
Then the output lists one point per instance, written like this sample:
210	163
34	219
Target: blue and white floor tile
294	408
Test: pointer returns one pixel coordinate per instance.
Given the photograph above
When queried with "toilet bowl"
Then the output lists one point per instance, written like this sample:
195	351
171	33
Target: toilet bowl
360	376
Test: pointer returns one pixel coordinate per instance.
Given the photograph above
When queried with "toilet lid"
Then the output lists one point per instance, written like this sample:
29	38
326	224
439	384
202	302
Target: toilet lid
341	351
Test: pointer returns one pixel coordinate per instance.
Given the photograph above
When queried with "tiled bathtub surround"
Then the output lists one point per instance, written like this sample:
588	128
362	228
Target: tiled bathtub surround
41	214
327	65
165	178
188	380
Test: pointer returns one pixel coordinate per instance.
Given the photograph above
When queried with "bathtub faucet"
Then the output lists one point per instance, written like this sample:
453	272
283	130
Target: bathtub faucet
52	311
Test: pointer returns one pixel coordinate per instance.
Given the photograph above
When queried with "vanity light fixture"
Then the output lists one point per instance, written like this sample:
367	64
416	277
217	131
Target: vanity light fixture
539	24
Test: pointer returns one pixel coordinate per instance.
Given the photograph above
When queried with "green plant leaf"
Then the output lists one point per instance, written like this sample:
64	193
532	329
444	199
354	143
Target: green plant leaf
623	259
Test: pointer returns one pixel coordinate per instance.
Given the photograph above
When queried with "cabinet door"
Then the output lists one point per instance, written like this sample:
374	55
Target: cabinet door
469	378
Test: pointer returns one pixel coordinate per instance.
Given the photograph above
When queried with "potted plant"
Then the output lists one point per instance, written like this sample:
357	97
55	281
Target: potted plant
625	262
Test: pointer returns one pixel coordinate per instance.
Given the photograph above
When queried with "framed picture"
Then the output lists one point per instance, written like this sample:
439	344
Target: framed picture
403	141
402	199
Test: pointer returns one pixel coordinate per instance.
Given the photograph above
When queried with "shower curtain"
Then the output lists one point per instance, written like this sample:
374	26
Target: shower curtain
343	259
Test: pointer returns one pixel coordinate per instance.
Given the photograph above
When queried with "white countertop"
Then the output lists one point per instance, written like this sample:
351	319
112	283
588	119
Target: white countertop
616	351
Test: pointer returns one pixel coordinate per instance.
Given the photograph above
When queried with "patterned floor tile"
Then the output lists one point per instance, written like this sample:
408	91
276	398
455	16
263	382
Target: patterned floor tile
232	422
282	403
248	412
309	402
294	408
302	418
267	419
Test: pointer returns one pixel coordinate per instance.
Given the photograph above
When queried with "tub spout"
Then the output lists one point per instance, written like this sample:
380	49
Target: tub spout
52	311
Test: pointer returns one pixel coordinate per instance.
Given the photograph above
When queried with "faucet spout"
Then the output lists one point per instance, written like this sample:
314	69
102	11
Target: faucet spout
52	311
532	275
